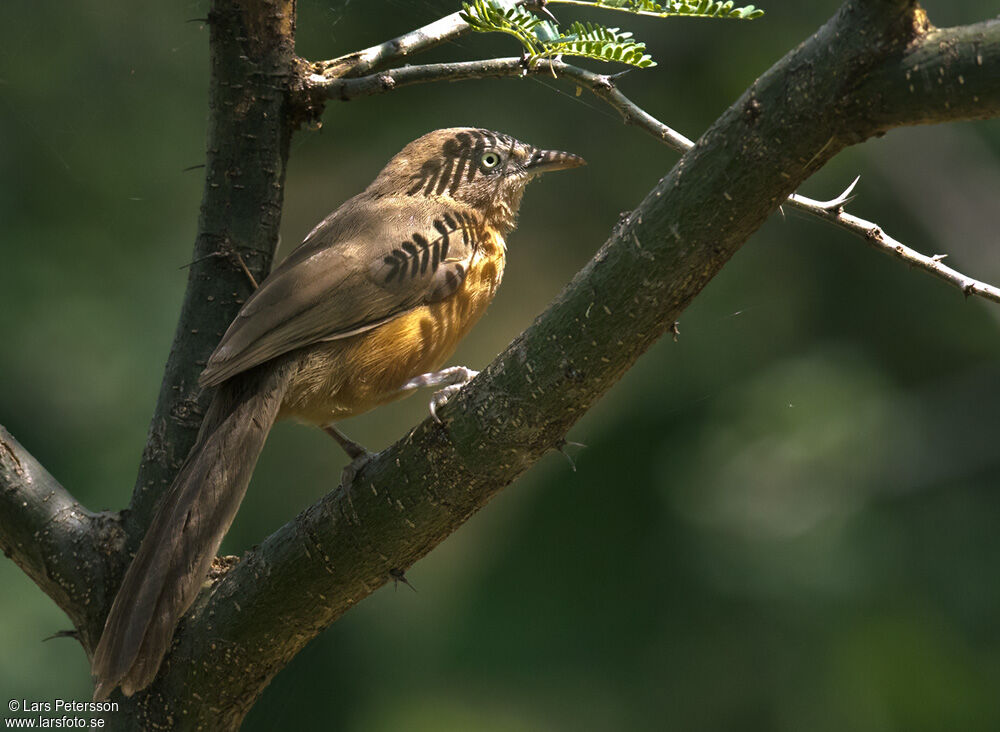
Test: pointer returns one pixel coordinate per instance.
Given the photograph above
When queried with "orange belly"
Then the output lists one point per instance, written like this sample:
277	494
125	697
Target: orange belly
349	376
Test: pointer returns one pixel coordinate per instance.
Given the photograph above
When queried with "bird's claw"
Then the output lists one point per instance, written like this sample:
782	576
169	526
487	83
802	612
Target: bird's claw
441	398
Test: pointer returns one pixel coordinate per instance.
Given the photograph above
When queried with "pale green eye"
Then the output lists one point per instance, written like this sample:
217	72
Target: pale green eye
490	160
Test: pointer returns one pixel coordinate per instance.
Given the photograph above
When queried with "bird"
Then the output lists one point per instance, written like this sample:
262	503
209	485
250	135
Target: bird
364	311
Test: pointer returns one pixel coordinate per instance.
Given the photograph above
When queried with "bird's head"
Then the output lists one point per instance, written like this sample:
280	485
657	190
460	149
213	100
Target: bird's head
483	169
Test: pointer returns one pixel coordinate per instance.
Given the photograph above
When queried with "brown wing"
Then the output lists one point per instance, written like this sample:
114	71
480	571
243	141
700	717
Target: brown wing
352	273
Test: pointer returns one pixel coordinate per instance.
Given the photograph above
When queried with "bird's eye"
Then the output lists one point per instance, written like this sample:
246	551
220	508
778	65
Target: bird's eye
490	160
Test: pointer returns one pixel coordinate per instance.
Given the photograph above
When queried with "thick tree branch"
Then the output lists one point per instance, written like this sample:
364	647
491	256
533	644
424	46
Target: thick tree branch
250	125
253	111
417	492
948	74
60	545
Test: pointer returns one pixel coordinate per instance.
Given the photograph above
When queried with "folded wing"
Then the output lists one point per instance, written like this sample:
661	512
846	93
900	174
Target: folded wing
352	273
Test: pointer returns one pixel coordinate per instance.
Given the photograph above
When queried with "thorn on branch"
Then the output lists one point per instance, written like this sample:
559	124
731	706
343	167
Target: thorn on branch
538	8
233	256
75	635
561	447
845	196
246	270
399	575
604	82
836	205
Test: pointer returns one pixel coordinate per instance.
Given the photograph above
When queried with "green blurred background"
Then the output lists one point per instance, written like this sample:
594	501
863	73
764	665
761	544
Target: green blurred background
788	520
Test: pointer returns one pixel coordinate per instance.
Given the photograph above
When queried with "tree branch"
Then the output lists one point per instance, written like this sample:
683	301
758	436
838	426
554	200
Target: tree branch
948	74
601	85
414	494
250	126
833	211
253	110
58	543
378	56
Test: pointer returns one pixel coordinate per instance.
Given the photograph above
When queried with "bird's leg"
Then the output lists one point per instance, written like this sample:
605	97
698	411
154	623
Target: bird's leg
352	448
357	453
454	378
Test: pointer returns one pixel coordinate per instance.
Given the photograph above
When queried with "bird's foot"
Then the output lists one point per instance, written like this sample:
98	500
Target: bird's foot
459	375
358	454
453	379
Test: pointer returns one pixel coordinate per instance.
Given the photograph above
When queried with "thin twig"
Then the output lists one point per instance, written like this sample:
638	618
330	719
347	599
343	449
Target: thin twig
833	211
603	86
379	56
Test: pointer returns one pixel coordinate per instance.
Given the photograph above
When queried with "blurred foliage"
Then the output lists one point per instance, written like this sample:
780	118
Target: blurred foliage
785	521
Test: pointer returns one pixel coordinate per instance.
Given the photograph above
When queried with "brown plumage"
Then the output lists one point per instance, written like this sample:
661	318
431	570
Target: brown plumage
368	307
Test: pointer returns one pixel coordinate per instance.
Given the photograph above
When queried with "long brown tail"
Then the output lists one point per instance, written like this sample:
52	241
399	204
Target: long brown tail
174	557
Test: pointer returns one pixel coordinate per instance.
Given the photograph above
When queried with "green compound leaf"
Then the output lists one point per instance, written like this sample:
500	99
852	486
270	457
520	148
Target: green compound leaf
542	39
503	16
590	40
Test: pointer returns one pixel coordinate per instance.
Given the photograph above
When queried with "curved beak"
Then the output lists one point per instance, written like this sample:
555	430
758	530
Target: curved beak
542	161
